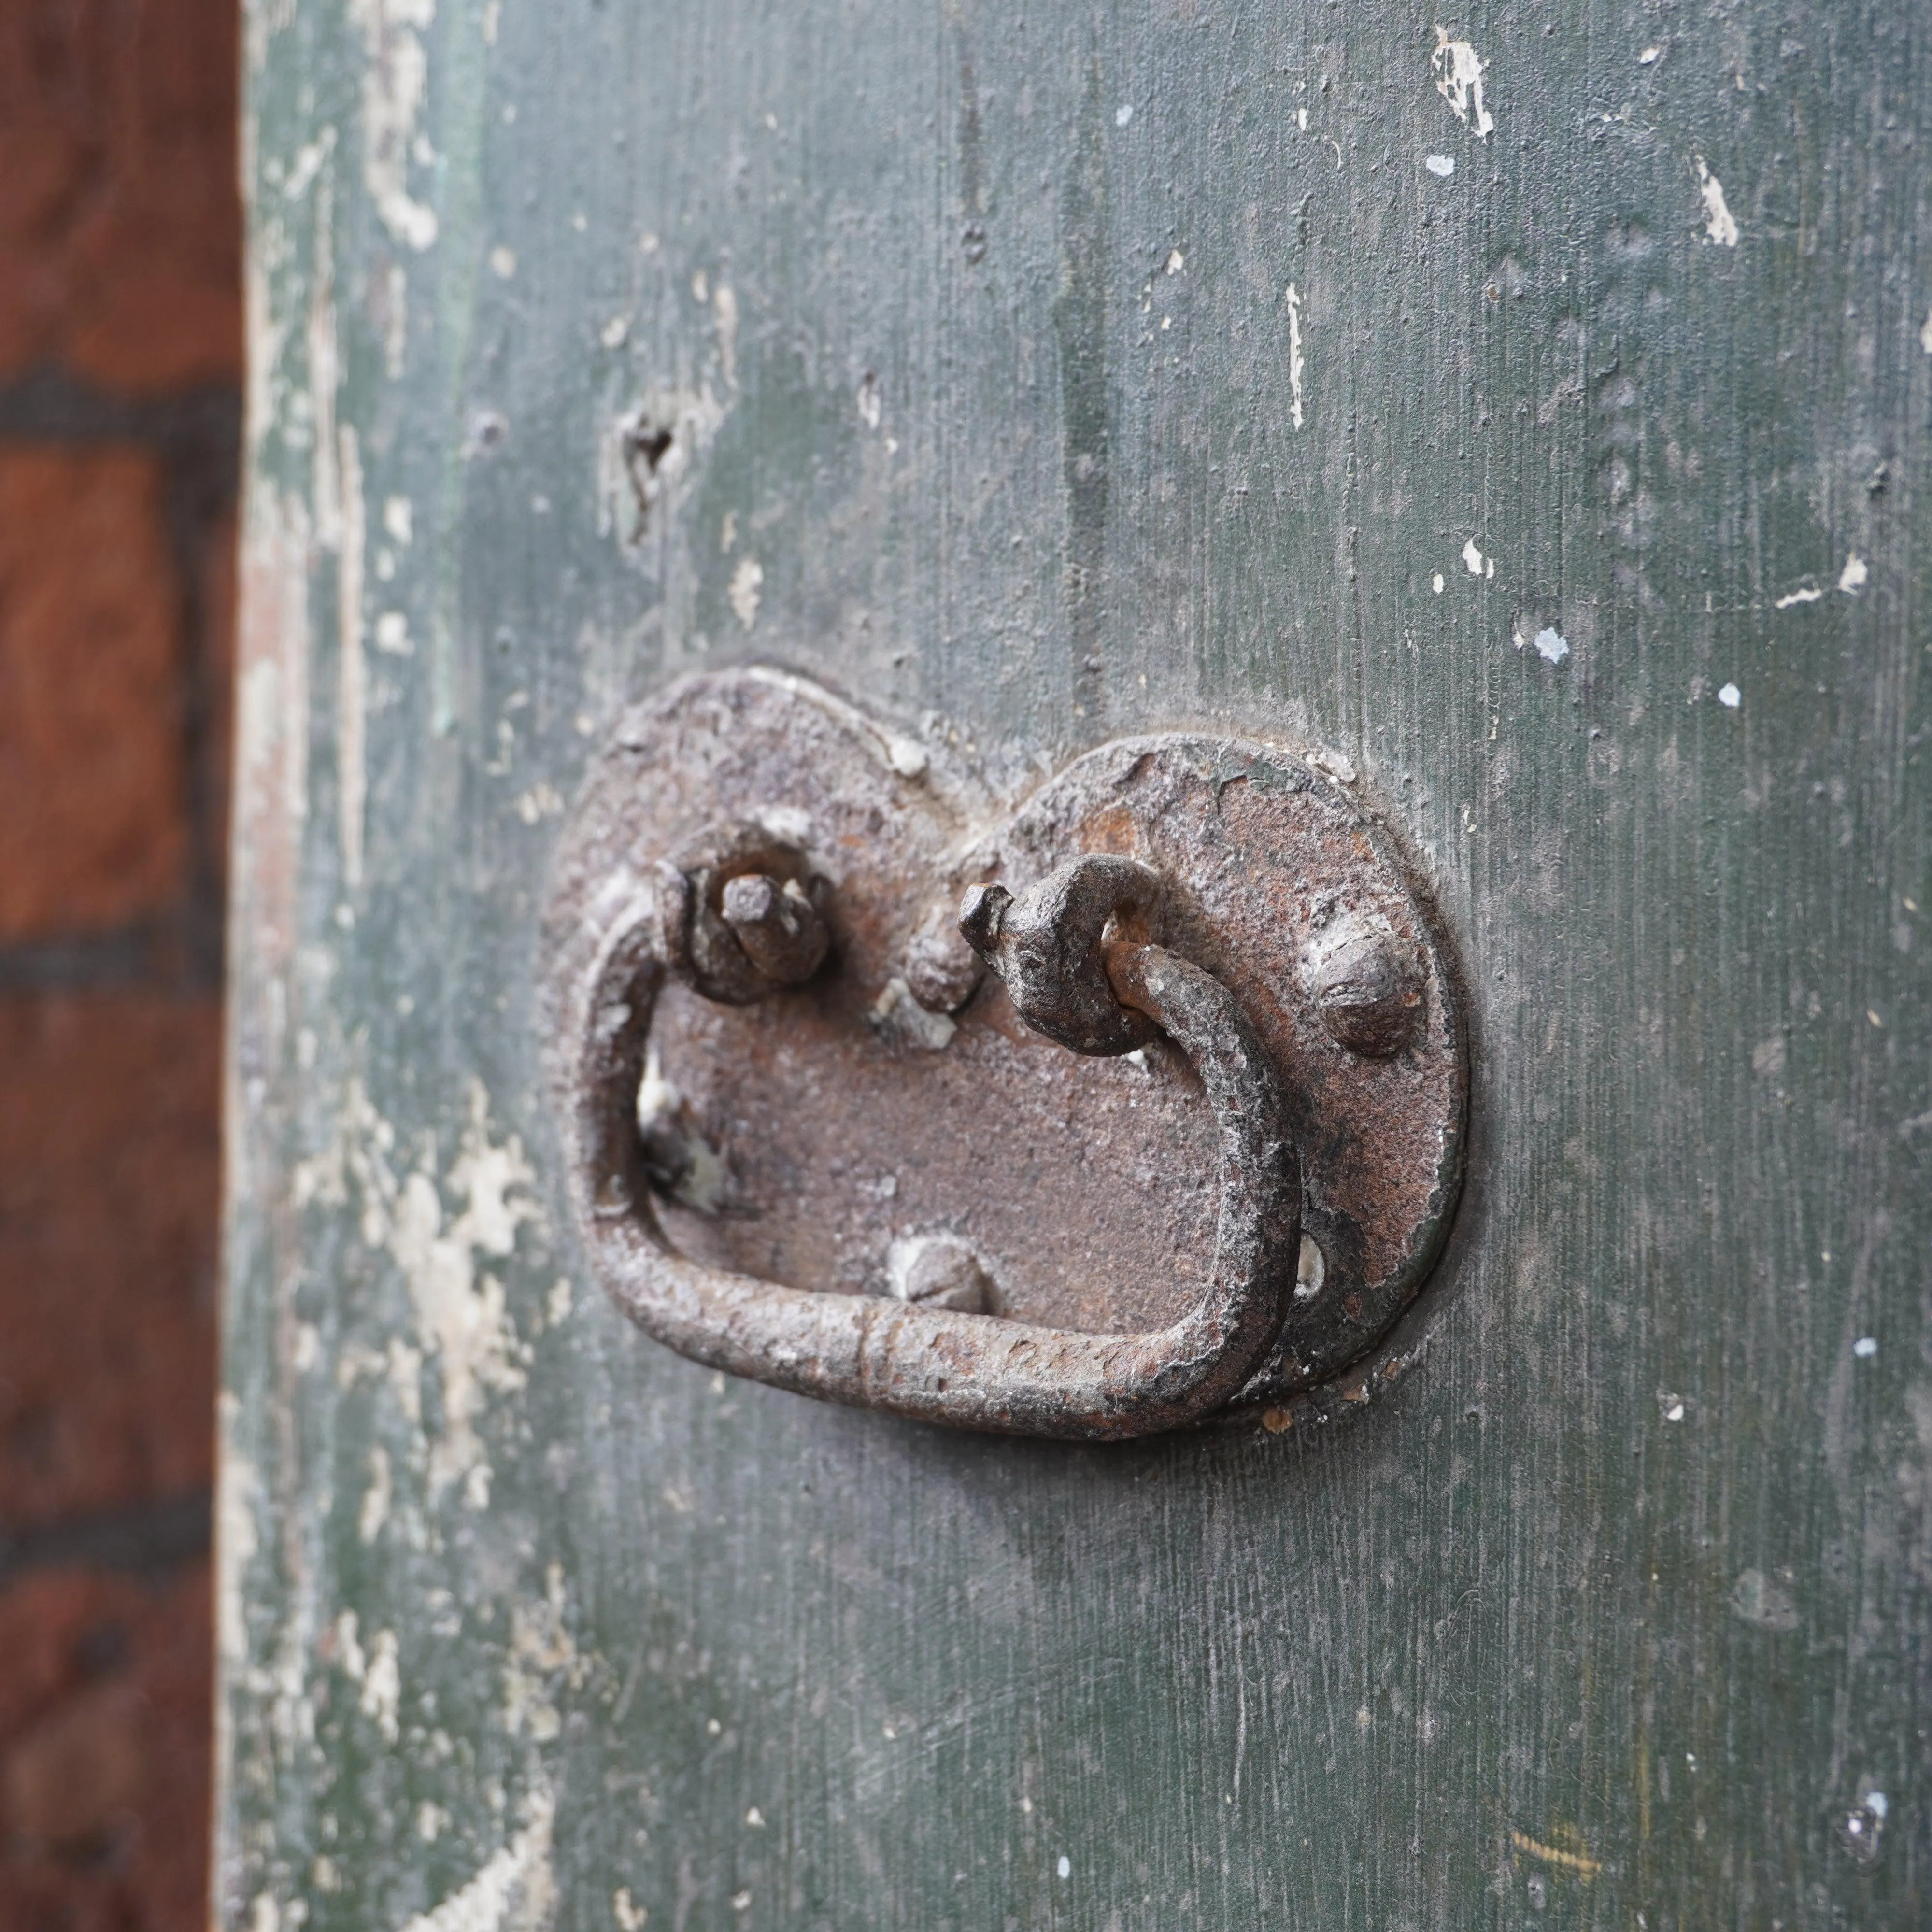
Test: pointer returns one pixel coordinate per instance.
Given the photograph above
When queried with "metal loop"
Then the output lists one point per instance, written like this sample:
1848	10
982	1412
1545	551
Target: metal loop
947	1365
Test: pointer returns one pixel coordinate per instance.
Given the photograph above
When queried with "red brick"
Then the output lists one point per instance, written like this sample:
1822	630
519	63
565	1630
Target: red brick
120	225
104	1752
110	1156
93	820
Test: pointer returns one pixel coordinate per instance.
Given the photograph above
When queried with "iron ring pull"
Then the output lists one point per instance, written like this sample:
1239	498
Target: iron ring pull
1069	979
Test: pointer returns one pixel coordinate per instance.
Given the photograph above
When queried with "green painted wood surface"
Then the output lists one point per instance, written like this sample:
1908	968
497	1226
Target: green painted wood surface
1048	374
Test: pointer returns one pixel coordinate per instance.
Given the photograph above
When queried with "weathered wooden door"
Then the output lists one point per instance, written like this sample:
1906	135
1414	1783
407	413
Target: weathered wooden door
1532	412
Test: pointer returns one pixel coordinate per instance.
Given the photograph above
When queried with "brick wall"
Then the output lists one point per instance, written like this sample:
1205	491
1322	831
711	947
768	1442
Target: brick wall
120	354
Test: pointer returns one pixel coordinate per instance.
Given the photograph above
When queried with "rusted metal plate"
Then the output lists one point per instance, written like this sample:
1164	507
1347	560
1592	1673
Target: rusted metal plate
827	1126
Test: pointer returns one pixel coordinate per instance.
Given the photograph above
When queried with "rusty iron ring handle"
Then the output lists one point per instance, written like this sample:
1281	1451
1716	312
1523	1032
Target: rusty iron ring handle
946	1365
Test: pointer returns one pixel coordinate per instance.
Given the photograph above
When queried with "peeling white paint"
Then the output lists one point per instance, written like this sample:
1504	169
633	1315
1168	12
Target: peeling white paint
1472	558
375	1510
1435	583
724	313
1730	697
743	594
351	681
1459	79
1851	579
1865	1347
630	1917
1294	355
1809	591
1925	334
238	1490
382	1686
539	802
1551	644
1649	57
543	1657
1441	166
395	83
516	1889
1718	225
461	1315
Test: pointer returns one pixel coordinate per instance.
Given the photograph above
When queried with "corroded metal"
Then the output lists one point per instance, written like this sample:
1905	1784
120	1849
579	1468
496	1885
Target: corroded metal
802	1144
920	1357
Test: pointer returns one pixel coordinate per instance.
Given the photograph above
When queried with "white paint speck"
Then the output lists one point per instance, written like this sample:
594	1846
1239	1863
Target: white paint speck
1472	558
1301	122
399	519
514	1891
1865	1347
871	404
1649	57
1878	1804
630	1917
503	263
1435	583
1925	334
1294	355
1730	697
744	593
1441	166
375	1510
1806	592
1065	1868
1459	79
1852	578
612	333
1176	261
755	1819
395	83
1719	226
382	1686
1672	1407
392	634
1124	113
1551	643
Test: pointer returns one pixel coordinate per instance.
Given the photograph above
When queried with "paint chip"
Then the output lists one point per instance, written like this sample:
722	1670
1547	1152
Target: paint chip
1435	583
1852	578
612	333
1649	57
1065	1868
1925	334
1176	261
1124	113
746	582
1671	1407
1441	166
1865	1347
1806	592
1730	697
1459	79
1472	558
503	263
1294	408
1719	226
1551	643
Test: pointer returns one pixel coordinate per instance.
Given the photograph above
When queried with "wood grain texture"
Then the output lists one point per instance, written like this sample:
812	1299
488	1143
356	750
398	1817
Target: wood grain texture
973	334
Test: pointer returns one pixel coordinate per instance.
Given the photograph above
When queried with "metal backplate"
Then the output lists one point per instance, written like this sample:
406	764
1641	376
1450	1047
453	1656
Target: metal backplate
844	1116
